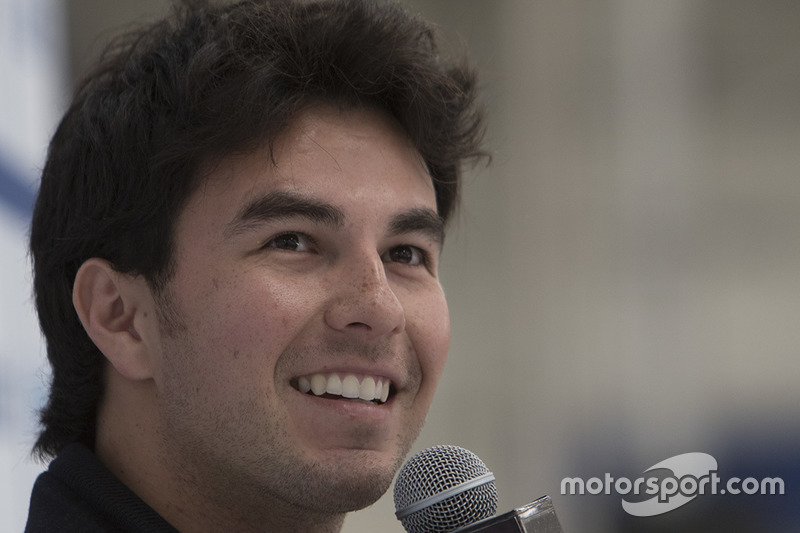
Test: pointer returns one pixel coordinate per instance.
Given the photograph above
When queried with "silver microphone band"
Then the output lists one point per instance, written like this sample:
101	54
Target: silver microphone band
436	498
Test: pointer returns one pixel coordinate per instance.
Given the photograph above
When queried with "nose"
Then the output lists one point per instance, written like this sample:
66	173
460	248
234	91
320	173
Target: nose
364	303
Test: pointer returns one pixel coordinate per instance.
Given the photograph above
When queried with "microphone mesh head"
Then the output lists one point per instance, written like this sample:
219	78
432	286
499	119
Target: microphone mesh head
434	471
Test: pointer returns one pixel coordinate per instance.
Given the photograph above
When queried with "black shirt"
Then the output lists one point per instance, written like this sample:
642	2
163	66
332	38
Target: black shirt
79	494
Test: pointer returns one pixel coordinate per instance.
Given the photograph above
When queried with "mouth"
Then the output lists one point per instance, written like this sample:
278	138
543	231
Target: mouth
371	389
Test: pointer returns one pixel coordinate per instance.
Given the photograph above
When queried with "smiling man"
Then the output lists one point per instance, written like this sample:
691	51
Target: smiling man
236	246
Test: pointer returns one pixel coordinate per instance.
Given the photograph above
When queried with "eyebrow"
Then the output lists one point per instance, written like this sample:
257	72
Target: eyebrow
419	220
279	205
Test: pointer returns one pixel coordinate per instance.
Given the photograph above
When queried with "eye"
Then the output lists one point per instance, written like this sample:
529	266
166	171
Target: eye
293	242
404	254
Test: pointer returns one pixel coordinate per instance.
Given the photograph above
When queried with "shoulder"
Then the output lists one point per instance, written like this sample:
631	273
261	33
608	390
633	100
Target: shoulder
78	494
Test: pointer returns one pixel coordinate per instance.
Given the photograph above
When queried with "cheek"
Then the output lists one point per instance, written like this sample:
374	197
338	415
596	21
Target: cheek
246	318
433	340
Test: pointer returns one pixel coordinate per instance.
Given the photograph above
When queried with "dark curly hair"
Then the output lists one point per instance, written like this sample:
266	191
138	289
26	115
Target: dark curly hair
166	100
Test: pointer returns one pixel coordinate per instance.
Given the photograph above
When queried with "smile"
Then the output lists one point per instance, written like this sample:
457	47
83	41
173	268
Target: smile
367	388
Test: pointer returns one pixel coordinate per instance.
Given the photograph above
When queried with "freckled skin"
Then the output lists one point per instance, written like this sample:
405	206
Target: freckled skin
236	446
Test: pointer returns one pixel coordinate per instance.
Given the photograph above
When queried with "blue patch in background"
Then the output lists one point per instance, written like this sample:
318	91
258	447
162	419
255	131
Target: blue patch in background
16	195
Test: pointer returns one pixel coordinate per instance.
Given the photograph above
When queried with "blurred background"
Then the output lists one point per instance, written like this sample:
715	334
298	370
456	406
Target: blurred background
624	278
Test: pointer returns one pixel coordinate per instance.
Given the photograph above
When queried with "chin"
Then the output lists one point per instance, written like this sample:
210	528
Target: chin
351	493
349	485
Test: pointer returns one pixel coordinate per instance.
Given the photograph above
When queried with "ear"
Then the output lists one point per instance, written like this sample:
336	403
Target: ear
114	309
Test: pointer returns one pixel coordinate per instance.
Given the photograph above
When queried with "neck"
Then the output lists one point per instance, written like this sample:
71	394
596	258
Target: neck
131	445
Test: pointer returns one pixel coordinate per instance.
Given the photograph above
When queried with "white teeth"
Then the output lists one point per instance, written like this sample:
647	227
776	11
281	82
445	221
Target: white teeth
384	392
318	384
350	386
334	385
368	389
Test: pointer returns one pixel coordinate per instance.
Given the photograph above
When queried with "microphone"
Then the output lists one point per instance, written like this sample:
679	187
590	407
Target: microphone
447	489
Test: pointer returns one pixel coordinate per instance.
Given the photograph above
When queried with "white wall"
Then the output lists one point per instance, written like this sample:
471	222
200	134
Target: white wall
32	62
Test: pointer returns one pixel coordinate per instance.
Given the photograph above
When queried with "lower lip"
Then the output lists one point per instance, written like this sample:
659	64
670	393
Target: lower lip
353	409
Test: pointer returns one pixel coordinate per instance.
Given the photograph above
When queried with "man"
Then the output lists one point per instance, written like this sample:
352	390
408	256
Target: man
235	251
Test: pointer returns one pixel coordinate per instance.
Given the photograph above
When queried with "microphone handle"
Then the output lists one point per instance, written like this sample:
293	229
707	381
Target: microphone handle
538	516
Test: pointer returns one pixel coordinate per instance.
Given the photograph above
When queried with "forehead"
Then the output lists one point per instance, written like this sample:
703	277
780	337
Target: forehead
321	125
340	155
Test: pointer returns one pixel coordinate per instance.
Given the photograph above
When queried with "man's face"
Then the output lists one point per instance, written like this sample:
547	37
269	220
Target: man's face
319	271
